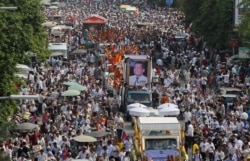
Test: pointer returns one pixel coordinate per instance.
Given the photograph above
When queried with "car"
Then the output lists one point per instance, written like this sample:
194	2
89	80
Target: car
234	91
228	100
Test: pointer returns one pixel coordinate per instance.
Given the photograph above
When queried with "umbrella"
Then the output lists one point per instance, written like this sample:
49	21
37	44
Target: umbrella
77	87
204	73
25	127
84	139
169	111
71	83
139	111
244	116
135	105
240	56
167	105
98	134
71	93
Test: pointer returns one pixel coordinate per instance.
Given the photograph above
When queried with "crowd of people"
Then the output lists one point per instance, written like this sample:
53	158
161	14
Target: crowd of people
189	73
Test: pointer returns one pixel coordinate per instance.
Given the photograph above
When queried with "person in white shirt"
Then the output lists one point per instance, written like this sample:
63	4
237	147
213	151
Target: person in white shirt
88	158
189	135
187	117
128	144
127	157
210	148
122	153
237	155
42	156
197	156
190	130
219	155
203	148
44	106
82	154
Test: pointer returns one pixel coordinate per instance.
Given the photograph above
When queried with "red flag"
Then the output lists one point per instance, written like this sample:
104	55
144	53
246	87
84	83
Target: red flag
124	135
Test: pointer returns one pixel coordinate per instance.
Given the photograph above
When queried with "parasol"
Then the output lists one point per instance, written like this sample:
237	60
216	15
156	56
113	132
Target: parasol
71	93
84	139
98	134
71	83
77	87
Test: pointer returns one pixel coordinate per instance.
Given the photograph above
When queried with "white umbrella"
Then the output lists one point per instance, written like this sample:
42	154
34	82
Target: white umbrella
84	139
244	116
139	111
169	111
135	105
166	105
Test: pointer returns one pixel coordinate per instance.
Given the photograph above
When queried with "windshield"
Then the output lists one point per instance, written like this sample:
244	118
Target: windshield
61	51
160	144
238	93
143	98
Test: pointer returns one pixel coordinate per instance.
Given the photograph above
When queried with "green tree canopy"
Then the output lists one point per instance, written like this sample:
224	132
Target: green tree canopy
244	26
211	19
21	31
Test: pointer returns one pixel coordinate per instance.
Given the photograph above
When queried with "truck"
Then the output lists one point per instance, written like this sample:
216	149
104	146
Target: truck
131	92
58	49
159	138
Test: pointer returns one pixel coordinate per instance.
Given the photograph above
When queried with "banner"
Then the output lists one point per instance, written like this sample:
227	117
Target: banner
161	155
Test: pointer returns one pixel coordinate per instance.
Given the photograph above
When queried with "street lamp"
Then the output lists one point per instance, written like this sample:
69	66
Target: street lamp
8	8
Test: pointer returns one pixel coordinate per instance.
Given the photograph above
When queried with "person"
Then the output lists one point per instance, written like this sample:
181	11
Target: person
138	79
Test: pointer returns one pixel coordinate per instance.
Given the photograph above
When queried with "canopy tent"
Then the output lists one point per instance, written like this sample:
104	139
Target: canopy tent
95	19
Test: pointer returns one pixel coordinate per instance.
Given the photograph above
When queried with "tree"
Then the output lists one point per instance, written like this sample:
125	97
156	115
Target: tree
245	24
191	10
214	22
21	31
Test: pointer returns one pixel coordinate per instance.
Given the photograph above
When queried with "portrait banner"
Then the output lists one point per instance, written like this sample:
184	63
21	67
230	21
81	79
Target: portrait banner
161	155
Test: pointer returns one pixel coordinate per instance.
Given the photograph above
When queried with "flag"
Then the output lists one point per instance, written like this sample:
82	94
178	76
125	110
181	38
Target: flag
124	135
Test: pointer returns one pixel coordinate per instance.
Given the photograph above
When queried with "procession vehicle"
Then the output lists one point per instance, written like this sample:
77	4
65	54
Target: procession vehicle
159	138
135	93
